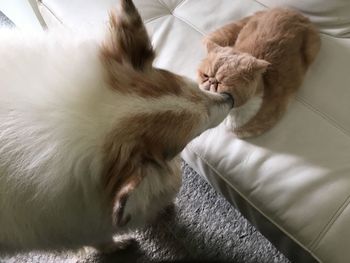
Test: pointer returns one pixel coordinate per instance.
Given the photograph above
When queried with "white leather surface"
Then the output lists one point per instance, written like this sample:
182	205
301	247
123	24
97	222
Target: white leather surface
298	174
332	16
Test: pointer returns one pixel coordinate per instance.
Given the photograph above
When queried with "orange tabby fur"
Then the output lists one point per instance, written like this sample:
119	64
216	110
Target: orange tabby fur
266	54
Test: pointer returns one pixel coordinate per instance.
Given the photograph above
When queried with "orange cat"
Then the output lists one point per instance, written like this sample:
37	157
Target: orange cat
261	61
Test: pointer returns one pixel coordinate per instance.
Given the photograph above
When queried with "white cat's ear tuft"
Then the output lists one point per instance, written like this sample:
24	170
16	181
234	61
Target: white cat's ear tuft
211	46
261	65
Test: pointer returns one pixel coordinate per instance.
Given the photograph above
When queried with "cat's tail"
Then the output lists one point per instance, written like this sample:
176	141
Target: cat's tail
271	111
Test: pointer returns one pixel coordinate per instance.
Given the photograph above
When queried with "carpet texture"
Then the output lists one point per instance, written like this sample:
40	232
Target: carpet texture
202	226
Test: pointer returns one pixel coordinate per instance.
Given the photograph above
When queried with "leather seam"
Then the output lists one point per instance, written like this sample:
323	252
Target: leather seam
181	18
154	18
189	24
179	5
261	4
330	223
171	11
165	6
51	12
324	116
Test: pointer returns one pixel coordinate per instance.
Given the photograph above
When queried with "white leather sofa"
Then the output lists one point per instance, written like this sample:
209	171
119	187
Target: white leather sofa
293	182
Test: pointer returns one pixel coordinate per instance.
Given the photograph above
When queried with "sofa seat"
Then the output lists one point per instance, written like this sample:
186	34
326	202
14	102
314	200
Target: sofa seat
293	182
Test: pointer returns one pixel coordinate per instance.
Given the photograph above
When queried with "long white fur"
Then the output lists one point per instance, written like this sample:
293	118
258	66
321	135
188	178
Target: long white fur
55	112
50	97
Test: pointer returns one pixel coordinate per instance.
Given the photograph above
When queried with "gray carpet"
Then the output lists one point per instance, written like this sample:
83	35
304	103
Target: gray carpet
202	226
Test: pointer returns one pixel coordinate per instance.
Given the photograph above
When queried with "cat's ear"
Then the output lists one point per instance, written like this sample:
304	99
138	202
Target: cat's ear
127	41
261	65
211	46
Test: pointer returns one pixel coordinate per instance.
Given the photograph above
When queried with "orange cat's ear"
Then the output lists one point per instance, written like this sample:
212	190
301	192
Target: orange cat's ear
211	46
261	65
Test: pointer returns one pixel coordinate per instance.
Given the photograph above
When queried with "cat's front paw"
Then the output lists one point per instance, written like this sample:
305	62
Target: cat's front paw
241	134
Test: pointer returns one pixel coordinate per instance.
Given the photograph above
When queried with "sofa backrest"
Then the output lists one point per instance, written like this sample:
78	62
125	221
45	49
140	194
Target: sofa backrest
331	16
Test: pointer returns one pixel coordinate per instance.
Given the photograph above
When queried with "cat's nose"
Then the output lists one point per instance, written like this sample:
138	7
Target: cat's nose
213	81
213	84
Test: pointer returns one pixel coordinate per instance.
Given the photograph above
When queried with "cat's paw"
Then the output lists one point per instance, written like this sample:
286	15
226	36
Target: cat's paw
244	133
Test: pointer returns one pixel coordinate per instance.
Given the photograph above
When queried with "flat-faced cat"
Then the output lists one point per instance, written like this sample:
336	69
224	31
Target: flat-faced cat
261	61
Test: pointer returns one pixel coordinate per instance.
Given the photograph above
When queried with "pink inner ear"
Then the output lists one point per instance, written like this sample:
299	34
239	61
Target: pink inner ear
261	64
